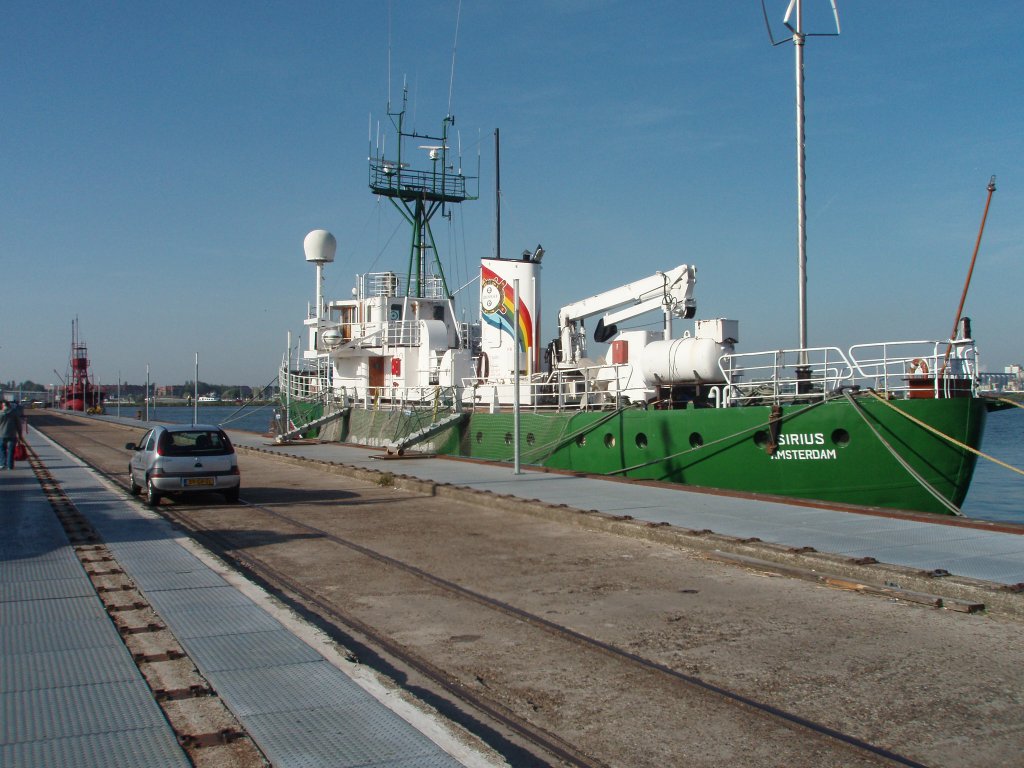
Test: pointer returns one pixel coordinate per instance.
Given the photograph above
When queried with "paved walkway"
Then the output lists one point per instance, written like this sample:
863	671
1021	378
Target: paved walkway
70	694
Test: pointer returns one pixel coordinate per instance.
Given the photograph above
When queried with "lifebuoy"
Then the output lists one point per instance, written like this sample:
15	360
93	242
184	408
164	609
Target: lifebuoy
483	368
917	365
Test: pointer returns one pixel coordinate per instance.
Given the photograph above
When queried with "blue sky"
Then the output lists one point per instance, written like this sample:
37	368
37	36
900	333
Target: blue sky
162	163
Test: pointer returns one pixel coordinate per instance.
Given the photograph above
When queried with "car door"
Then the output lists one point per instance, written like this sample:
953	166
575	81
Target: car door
142	458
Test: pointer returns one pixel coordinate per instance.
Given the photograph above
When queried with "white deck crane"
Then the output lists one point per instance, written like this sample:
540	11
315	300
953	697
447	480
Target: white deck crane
671	291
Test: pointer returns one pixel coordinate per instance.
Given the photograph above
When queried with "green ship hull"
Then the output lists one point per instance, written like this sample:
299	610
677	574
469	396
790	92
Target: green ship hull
862	451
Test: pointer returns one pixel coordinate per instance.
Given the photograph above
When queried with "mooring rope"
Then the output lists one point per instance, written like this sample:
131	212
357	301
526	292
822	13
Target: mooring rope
1008	401
903	462
942	434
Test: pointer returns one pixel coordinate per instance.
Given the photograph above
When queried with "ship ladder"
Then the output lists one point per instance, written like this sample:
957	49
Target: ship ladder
296	431
399	446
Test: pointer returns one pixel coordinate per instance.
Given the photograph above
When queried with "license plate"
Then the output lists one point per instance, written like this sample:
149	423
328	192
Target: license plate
193	482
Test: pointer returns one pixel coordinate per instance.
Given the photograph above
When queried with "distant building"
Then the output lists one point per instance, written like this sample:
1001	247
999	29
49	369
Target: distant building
1010	380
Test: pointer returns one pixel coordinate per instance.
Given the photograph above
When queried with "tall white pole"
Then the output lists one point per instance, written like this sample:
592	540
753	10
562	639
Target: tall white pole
515	394
288	386
801	179
119	394
195	397
147	393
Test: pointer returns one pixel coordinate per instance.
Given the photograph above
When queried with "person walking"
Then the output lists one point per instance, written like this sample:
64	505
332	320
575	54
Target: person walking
10	433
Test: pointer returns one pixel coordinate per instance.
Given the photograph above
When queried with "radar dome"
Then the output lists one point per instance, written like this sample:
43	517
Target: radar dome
319	246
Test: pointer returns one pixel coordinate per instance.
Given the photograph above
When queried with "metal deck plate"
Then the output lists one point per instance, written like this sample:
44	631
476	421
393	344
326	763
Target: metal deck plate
342	738
206	621
58	669
48	589
250	651
57	636
219	596
54	565
156	581
51	611
294	686
53	713
137	748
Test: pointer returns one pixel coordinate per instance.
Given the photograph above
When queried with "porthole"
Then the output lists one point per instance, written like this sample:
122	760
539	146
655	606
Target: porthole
530	438
609	440
581	440
761	438
696	440
508	438
641	440
479	437
841	437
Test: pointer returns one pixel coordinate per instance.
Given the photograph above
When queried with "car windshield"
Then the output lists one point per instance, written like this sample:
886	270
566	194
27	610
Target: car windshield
199	442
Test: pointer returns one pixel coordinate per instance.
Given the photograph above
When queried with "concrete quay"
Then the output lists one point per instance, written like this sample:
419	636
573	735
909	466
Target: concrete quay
937	687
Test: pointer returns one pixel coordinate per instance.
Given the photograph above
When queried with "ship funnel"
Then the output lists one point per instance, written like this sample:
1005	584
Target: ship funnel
320	246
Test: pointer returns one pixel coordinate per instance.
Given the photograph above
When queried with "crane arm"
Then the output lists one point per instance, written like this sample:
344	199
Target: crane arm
671	291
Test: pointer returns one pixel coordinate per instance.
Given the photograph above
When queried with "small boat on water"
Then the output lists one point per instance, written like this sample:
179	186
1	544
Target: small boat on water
888	423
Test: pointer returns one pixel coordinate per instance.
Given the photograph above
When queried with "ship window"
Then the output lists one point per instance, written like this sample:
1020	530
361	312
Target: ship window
581	440
530	438
841	437
609	440
396	312
696	440
508	438
641	440
439	312
479	437
761	438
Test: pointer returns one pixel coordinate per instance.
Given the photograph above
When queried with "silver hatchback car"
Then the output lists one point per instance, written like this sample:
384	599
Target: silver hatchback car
180	458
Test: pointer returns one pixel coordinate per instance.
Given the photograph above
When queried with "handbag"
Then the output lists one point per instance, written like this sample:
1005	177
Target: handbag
20	452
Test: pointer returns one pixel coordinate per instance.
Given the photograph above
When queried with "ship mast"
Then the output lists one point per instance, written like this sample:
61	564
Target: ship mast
419	193
794	21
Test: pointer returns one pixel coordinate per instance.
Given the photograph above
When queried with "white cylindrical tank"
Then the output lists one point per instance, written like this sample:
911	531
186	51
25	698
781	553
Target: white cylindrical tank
683	361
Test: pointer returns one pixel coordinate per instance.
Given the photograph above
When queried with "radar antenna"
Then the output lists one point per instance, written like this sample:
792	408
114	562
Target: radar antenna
419	193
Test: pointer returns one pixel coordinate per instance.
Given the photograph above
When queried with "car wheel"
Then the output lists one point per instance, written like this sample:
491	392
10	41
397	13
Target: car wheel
231	495
154	494
134	487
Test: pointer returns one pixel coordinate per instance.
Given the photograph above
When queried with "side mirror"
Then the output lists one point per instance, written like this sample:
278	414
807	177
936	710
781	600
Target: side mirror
131	447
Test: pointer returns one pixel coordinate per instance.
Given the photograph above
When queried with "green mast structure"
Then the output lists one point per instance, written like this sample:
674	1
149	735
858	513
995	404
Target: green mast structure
419	193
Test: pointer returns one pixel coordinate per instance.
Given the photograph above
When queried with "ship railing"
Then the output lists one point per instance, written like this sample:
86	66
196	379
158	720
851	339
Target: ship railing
308	382
441	398
783	375
395	180
559	390
403	333
391	284
400	333
918	369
